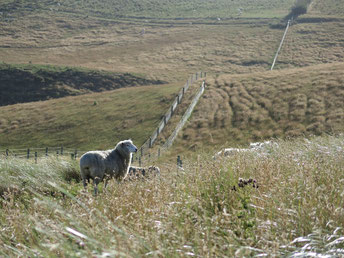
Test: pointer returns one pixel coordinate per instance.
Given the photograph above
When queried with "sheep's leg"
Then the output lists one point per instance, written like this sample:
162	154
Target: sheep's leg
106	182
85	183
95	184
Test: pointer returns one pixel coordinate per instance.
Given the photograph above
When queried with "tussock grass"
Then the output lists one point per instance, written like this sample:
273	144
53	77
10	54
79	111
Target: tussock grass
76	122
238	109
297	208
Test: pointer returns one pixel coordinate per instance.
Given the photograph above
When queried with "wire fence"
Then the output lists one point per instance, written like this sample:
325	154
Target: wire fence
35	153
147	154
280	45
144	154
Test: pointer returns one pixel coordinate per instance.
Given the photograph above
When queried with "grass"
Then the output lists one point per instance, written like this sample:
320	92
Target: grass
297	209
97	120
238	109
27	83
157	9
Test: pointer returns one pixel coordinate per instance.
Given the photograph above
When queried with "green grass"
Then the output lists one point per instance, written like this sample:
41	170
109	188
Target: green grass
238	109
20	83
297	209
159	9
96	120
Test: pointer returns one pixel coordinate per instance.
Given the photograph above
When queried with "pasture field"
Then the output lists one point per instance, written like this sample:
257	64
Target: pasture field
97	120
238	109
297	209
150	9
201	211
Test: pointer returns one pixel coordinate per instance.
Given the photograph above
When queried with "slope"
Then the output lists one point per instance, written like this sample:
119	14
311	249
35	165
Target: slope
96	120
27	83
237	109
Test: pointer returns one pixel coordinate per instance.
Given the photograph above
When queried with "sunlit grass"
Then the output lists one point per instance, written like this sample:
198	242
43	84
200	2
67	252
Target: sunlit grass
297	208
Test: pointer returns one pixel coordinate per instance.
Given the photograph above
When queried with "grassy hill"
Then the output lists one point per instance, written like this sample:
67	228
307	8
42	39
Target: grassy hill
28	83
97	120
153	8
238	109
297	209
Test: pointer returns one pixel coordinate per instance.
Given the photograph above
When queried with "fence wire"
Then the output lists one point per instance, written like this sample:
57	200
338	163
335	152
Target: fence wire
144	155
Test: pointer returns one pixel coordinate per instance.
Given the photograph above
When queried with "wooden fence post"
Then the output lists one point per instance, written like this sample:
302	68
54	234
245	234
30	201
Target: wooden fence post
141	151
61	150
150	142
6	152
139	161
36	157
46	151
165	122
28	153
159	153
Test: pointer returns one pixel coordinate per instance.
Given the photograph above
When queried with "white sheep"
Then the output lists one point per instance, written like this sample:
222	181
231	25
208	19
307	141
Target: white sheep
141	172
115	163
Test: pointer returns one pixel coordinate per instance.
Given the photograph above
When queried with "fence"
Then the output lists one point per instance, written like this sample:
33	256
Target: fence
280	46
146	155
36	153
144	149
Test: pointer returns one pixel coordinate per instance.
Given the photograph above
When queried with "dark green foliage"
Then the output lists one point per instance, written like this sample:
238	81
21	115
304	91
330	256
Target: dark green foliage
299	8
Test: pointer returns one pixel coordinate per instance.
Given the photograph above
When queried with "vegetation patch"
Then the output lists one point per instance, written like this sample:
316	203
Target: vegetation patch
194	211
28	83
239	109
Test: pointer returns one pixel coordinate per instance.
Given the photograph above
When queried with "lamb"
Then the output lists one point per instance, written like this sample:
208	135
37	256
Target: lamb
139	172
115	163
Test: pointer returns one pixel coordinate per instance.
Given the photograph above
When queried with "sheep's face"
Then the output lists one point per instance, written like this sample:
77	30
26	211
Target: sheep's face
128	144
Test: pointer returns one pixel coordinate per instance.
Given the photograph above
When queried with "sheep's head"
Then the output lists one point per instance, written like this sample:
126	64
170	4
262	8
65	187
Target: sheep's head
128	144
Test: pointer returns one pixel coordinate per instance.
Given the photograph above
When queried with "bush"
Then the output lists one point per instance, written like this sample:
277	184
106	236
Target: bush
299	8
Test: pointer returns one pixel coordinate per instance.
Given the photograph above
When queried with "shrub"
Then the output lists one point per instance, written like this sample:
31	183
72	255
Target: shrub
299	8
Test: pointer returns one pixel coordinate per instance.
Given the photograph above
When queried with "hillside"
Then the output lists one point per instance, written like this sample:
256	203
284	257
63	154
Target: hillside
153	8
238	109
28	83
90	121
295	207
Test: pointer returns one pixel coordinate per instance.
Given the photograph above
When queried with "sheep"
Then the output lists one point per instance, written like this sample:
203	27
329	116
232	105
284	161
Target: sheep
255	147
115	163
139	172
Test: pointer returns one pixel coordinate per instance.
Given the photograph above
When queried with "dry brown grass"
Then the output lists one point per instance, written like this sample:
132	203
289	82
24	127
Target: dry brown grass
242	108
297	209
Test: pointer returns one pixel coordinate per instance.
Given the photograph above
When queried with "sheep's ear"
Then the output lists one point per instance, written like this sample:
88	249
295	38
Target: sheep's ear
122	144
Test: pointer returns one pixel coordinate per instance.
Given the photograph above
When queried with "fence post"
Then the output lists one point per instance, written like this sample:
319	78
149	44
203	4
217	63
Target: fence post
165	122
171	110
159	153
75	154
139	161
150	142
157	131
36	157
179	162
28	153
6	152
61	150
141	151
46	151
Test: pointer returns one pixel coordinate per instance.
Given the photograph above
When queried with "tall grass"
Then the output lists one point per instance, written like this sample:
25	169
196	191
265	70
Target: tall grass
297	209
